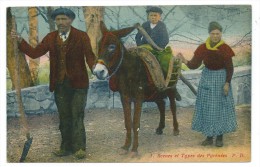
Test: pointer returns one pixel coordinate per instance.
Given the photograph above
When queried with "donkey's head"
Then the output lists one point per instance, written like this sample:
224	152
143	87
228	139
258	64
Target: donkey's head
110	52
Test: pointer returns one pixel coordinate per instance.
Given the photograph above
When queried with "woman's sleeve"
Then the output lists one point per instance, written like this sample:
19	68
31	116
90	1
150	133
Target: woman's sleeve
197	59
228	54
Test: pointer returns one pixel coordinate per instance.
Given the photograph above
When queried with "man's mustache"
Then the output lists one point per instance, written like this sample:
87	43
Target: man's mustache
61	25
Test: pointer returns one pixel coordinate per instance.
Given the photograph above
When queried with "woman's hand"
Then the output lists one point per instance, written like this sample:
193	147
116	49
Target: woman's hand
180	56
226	88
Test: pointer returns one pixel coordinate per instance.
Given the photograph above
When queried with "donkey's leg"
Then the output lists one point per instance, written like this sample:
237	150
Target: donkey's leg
136	122
174	115
161	106
128	120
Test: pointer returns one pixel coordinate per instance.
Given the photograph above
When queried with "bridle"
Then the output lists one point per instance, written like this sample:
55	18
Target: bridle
118	65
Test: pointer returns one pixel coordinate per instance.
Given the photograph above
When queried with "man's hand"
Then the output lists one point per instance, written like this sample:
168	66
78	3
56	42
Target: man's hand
14	35
226	88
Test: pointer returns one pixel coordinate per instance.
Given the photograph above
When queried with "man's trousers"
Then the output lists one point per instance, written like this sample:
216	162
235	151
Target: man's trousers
71	104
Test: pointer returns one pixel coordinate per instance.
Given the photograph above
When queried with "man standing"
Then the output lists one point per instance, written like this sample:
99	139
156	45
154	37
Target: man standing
68	48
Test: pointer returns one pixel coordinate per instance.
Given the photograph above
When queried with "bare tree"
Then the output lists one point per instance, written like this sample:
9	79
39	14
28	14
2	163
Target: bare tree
33	41
244	41
25	77
45	12
93	16
50	21
230	16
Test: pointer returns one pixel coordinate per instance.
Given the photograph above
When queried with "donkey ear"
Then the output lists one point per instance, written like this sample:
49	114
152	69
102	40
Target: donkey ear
103	27
123	32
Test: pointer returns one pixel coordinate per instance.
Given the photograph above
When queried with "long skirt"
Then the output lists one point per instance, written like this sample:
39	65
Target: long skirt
214	112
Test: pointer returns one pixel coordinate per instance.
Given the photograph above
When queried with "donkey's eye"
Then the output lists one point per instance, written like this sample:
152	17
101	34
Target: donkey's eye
111	48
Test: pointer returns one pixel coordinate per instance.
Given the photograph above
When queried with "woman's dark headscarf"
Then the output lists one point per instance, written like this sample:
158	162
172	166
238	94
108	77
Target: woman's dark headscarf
214	26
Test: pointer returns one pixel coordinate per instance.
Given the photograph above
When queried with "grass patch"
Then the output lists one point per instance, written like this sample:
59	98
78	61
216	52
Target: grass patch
44	72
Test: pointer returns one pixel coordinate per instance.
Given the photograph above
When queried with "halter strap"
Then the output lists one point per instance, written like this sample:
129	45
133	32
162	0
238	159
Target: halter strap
119	64
99	61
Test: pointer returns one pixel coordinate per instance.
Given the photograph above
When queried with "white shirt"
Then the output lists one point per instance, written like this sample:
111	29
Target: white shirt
152	25
64	36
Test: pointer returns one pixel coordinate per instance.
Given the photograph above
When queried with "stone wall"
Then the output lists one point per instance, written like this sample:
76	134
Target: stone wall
38	99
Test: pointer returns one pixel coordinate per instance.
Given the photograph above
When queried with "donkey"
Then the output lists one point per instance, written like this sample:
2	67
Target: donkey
114	60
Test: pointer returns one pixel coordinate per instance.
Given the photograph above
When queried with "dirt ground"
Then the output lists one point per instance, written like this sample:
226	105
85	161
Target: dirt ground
106	134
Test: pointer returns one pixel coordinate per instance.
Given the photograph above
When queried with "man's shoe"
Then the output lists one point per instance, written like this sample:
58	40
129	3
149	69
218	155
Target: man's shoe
61	153
80	154
207	141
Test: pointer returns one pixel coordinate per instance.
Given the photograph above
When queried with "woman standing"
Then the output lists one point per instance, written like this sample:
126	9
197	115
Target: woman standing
214	109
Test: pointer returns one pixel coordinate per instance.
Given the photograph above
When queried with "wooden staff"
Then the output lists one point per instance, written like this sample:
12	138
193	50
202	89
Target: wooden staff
151	42
23	119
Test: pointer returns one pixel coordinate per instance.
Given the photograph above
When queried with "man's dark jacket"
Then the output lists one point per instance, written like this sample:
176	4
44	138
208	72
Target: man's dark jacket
78	51
158	34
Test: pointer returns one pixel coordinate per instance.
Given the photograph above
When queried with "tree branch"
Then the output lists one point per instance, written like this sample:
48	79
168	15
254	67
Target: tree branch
139	16
179	25
167	14
243	40
199	41
193	43
42	14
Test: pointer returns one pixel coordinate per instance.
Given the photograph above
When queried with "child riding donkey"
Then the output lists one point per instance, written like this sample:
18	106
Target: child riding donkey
152	32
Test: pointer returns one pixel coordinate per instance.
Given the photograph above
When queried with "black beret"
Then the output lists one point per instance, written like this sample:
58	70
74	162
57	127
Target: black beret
214	25
154	9
63	11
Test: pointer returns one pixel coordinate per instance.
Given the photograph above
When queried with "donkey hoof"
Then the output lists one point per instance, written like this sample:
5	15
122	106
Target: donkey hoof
123	151
159	131
133	154
176	132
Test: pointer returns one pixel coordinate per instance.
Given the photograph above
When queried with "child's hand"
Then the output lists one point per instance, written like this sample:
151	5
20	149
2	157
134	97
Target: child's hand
137	25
